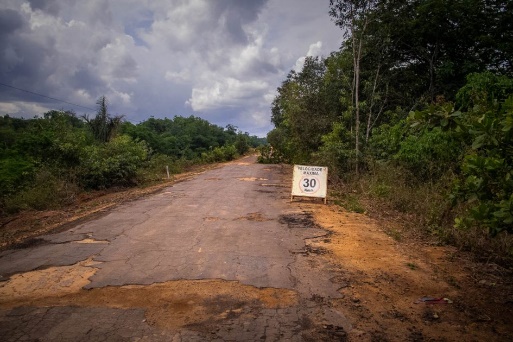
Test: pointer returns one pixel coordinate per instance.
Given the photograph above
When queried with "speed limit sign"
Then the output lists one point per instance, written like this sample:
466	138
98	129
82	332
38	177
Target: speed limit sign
309	181
309	184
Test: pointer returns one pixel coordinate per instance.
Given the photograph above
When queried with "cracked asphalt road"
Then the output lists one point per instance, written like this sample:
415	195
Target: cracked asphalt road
223	256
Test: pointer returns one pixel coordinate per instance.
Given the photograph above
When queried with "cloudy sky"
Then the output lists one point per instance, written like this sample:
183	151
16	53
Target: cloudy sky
221	60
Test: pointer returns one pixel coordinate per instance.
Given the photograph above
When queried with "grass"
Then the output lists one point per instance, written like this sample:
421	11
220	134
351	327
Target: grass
412	266
422	209
350	203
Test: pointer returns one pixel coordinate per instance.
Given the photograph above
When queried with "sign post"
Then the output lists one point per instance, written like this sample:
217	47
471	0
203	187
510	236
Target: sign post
309	181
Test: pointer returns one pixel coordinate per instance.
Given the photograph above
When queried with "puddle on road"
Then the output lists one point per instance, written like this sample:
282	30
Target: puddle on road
170	305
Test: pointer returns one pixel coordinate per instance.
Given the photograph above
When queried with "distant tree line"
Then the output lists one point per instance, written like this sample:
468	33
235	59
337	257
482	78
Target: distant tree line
416	106
46	162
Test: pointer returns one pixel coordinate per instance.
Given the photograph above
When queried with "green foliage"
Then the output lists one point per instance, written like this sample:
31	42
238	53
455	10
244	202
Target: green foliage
112	164
46	191
269	155
220	154
188	138
336	152
349	201
14	172
54	141
386	140
281	145
242	144
300	113
154	169
429	153
483	89
486	180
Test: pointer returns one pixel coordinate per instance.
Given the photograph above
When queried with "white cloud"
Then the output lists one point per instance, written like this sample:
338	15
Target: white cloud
313	51
179	77
229	92
24	109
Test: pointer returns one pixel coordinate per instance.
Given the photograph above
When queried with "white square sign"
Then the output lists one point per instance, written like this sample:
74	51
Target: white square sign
309	181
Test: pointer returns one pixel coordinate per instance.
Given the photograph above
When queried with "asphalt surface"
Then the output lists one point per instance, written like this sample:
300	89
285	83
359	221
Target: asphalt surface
234	223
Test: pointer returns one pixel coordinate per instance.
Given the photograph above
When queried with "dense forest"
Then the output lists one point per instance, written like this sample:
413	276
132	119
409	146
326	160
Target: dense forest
46	162
415	110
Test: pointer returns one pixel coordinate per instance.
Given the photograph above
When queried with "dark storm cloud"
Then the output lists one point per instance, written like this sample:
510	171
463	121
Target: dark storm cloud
20	65
235	14
48	6
10	21
87	78
126	68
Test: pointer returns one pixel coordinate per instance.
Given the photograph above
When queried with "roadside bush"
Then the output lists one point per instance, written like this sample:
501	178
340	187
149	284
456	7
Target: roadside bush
220	154
385	140
46	191
336	152
230	152
486	172
112	164
242	144
15	170
155	168
429	153
391	185
268	155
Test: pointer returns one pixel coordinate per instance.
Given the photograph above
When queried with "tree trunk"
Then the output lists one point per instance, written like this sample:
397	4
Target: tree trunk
369	117
356	66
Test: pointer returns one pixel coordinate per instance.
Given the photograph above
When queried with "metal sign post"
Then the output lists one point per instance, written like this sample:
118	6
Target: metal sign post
309	181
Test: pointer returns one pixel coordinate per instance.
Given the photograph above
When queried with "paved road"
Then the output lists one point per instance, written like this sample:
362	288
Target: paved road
222	256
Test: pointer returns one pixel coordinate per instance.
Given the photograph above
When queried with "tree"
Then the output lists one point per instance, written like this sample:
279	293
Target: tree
353	17
103	126
300	111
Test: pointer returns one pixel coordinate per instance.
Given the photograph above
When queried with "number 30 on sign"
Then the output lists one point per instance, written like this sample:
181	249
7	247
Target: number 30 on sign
309	181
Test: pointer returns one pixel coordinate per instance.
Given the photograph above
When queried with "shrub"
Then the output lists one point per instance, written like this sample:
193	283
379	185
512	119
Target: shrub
47	191
429	153
113	163
14	172
155	168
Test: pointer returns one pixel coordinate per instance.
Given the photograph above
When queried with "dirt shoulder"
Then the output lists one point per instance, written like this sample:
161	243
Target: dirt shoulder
383	282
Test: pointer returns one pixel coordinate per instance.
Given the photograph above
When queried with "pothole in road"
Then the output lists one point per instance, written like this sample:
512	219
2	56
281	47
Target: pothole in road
169	305
258	217
275	185
302	220
62	280
316	250
211	219
28	243
212	179
91	241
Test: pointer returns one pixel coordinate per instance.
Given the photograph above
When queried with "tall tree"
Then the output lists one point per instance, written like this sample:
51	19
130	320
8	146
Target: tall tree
353	16
103	125
301	112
